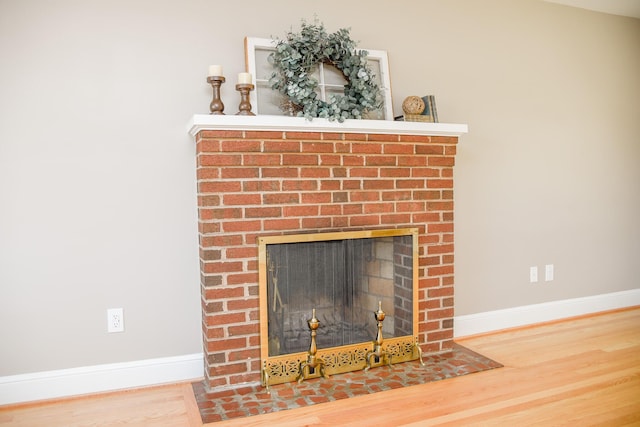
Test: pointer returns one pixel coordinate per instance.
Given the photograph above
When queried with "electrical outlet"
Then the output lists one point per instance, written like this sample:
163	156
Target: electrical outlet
533	274
548	272
115	320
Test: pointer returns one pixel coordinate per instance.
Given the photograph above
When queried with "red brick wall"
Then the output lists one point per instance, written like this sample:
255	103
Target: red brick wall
254	183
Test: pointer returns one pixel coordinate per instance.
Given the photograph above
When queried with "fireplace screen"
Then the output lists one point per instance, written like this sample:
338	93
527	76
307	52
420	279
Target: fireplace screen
345	278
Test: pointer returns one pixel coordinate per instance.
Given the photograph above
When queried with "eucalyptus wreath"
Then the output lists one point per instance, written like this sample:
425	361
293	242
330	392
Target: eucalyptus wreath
295	59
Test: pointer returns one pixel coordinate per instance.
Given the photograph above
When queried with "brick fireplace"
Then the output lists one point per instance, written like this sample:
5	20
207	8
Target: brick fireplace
267	175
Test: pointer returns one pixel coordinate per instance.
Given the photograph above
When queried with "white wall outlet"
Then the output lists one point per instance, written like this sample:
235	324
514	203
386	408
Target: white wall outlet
533	274
548	272
115	320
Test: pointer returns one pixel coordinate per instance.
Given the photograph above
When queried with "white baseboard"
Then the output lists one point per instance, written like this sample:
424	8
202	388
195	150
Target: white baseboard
118	376
490	321
100	378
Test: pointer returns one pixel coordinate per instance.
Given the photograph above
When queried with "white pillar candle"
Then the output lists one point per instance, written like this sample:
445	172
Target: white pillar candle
215	70
244	79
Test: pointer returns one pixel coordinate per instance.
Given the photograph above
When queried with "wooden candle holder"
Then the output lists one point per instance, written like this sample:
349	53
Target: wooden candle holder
216	106
245	104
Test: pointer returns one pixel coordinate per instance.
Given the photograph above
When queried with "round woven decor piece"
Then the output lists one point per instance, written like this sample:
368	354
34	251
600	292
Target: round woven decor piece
413	105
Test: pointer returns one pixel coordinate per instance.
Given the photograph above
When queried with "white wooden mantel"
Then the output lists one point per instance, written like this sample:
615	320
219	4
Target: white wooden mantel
201	122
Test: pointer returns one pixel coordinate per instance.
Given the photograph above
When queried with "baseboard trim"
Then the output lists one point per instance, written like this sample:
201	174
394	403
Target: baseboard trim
490	321
99	378
117	376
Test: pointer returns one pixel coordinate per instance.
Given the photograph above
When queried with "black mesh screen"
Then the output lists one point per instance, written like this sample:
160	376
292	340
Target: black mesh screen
341	280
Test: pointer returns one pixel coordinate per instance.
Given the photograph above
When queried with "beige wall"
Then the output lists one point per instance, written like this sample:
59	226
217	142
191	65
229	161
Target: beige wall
97	193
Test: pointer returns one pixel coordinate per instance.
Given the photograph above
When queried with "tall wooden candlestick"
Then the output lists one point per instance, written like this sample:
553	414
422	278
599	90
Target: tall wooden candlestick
216	106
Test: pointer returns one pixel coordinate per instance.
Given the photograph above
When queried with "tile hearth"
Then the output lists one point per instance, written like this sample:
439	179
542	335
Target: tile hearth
251	400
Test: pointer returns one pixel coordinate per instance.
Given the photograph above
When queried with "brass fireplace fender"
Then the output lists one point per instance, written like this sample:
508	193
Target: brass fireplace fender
338	360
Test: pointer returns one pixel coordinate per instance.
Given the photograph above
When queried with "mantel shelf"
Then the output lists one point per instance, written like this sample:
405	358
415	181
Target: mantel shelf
201	122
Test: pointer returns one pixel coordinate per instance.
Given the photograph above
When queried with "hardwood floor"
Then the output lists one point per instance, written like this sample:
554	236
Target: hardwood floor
577	372
164	406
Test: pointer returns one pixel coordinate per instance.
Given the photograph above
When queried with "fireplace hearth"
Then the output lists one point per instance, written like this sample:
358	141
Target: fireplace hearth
254	400
263	177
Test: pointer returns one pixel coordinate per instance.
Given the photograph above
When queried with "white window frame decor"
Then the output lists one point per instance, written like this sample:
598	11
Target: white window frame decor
268	100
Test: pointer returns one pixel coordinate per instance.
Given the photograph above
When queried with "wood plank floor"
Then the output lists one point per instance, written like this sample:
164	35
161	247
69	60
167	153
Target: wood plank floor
577	372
